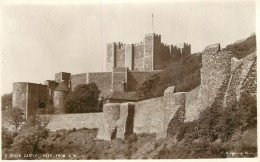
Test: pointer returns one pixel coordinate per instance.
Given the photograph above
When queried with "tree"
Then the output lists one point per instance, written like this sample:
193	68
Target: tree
145	89
83	99
13	117
6	101
32	133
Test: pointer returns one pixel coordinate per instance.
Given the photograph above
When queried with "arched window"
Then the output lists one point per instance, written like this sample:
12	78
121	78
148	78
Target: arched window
42	105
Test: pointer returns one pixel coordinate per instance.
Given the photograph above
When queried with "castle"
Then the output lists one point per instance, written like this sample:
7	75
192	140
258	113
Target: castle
223	78
126	65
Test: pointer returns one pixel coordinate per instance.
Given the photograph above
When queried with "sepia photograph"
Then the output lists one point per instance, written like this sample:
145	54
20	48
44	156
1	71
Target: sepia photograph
128	79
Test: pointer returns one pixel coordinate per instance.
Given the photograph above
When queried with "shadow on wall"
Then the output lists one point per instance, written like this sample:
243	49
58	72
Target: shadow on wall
130	121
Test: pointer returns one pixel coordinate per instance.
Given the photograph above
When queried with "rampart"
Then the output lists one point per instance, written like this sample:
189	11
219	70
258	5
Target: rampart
78	121
119	120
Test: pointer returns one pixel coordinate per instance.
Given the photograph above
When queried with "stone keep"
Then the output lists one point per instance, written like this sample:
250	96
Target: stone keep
149	54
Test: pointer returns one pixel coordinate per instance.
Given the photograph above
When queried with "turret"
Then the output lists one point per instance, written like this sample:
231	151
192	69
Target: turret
60	94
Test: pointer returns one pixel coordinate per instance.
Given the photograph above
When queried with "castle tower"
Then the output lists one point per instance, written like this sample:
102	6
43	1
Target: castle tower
19	96
60	94
28	97
129	56
152	46
110	60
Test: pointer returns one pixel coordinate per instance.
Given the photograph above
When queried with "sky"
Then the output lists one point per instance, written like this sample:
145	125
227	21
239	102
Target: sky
42	38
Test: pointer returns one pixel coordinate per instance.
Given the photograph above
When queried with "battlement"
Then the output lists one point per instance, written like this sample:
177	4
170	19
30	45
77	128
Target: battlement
140	43
165	45
182	45
153	34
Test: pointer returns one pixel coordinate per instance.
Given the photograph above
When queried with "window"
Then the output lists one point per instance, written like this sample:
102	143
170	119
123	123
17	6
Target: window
42	105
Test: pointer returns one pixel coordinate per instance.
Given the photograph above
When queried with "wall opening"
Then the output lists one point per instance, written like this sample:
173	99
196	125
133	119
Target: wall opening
42	105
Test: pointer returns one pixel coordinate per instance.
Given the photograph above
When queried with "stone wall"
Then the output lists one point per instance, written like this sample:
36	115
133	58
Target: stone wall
36	93
78	79
59	99
138	57
110	57
120	57
157	53
62	76
148	51
165	56
119	77
108	128
19	96
172	103
103	80
70	121
148	116
215	73
125	124
129	61
192	105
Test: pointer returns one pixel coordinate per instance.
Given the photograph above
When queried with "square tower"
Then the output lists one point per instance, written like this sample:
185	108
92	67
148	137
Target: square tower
152	47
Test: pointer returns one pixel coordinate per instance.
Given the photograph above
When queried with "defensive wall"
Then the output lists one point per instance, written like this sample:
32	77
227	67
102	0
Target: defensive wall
106	81
78	121
118	120
156	115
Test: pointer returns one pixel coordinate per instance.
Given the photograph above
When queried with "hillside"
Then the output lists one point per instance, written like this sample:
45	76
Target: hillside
243	48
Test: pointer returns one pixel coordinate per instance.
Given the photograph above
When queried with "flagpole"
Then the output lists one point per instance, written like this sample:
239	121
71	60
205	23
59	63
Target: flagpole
152	22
